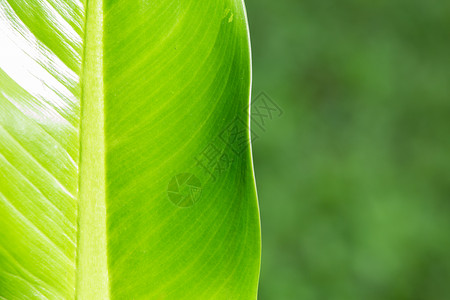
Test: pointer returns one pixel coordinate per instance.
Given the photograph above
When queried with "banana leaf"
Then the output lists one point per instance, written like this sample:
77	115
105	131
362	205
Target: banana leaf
125	158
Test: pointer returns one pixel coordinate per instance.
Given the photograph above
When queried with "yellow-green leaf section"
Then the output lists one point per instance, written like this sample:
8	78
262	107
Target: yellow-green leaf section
125	163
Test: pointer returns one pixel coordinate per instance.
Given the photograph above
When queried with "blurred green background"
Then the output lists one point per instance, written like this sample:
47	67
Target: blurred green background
354	178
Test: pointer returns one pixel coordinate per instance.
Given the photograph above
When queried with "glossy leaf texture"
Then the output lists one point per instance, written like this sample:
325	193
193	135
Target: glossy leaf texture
125	161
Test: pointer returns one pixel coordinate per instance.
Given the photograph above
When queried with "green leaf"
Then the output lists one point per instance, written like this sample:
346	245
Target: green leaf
125	162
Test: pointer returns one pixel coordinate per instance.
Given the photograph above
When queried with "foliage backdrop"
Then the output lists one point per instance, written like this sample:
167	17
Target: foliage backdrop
354	179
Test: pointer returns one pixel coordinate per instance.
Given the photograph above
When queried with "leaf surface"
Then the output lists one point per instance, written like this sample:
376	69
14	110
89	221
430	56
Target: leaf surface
125	163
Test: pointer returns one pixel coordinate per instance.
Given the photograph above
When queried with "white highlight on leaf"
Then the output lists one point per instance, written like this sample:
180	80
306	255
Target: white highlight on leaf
23	57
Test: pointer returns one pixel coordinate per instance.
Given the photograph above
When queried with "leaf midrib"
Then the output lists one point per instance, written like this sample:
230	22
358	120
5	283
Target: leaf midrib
91	267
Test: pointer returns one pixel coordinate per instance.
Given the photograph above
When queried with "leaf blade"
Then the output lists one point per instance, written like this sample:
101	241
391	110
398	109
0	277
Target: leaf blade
39	115
193	84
